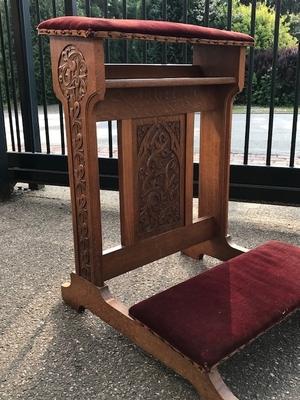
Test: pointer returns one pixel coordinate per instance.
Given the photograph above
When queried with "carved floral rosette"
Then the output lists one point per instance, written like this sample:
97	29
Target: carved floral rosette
72	76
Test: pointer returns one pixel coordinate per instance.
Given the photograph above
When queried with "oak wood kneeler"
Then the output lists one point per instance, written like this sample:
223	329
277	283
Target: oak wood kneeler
210	316
154	106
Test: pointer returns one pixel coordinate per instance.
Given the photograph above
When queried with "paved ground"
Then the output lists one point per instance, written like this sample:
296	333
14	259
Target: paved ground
50	352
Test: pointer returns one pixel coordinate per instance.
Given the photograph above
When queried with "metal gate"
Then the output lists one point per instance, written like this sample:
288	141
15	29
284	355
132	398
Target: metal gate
31	153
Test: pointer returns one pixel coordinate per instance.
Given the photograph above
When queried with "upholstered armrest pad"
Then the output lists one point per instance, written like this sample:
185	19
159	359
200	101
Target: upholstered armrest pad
212	315
144	27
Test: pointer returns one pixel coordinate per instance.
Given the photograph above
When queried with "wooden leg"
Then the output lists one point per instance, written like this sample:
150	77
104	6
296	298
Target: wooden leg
78	83
220	248
214	180
81	294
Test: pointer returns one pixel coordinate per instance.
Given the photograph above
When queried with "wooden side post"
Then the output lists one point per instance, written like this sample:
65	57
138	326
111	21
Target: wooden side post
126	181
215	141
79	83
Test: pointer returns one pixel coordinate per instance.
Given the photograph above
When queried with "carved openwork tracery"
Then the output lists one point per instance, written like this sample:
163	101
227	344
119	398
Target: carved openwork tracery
72	76
160	148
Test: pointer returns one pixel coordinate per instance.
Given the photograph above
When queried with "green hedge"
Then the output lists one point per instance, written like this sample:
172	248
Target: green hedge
285	78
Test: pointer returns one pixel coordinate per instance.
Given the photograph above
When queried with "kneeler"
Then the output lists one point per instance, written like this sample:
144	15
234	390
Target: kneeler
195	325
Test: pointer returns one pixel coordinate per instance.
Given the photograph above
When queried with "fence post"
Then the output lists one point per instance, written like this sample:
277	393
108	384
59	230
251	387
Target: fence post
24	57
70	7
5	187
20	13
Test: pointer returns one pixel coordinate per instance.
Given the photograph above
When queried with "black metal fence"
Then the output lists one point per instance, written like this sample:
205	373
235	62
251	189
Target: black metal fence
32	138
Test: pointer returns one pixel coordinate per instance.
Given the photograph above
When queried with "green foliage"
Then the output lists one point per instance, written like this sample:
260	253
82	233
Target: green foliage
287	6
285	78
264	27
40	46
294	24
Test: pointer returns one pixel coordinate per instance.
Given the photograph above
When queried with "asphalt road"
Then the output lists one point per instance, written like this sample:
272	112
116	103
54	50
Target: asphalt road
257	145
49	352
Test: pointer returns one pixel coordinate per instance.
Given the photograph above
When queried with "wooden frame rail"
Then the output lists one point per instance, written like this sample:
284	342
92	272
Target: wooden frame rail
162	82
122	259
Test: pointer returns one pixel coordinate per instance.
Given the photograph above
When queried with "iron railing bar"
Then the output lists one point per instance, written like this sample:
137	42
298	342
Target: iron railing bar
60	109
22	28
88	8
249	84
7	93
110	140
206	13
144	16
185	20
295	114
61	125
273	82
54	8
107	46
42	72
70	7
164	45
229	14
12	74
124	13
4	174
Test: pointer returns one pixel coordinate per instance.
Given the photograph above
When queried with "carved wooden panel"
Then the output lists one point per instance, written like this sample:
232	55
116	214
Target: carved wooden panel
159	154
72	76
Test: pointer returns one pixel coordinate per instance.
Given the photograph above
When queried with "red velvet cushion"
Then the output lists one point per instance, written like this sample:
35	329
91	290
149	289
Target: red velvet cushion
148	27
208	317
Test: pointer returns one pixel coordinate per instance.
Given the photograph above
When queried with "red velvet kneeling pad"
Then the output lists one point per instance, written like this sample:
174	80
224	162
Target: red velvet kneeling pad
144	27
210	316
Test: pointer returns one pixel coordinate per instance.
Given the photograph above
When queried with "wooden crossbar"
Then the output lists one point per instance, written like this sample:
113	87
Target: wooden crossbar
120	259
160	82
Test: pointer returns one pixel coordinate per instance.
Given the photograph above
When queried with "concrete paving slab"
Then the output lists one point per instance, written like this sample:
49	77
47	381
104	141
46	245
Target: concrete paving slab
50	352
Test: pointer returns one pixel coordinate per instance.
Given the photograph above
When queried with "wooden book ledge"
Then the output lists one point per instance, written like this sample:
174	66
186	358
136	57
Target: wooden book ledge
208	317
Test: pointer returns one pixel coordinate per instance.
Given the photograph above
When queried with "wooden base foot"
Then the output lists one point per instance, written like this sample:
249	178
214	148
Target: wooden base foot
71	296
192	254
220	248
81	294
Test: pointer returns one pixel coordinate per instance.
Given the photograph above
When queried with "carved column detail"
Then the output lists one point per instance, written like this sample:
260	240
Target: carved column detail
72	77
160	149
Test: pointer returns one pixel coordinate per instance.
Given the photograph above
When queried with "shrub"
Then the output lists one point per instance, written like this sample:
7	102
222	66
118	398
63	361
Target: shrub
265	21
285	78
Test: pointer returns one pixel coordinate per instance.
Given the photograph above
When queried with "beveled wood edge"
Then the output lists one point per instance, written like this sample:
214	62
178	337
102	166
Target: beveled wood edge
138	36
81	294
162	82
